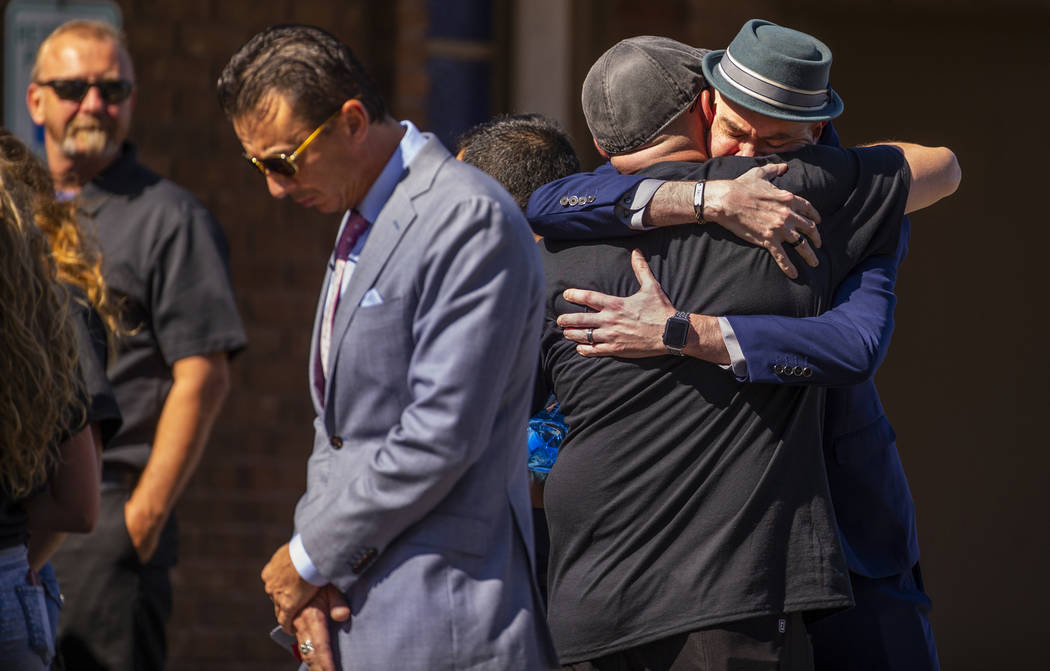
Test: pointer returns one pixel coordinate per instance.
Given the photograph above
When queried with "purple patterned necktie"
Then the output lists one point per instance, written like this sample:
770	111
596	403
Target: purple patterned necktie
355	226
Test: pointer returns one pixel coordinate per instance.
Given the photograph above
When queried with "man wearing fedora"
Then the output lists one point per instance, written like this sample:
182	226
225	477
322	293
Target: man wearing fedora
627	552
889	626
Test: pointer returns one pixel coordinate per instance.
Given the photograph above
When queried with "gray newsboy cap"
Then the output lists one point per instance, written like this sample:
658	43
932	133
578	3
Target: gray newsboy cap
637	87
777	72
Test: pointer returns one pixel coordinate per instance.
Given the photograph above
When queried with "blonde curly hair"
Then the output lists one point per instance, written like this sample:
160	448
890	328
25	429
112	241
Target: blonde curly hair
75	250
41	391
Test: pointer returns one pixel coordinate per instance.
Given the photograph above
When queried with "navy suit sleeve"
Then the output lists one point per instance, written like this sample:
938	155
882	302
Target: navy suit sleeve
592	215
844	346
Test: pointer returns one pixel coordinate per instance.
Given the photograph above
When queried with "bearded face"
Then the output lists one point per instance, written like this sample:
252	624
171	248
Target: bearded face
87	136
89	130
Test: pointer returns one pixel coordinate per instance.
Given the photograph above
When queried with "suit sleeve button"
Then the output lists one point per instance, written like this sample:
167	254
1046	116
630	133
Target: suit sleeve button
564	201
807	372
336	442
574	200
778	369
798	371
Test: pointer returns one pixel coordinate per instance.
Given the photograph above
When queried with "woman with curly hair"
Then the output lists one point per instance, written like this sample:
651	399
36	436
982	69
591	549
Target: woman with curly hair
78	262
41	407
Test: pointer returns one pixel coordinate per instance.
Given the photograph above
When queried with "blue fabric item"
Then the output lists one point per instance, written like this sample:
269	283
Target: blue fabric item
890	624
26	641
546	432
587	220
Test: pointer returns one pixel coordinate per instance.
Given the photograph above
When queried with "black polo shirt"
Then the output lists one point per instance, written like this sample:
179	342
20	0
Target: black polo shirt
165	260
683	498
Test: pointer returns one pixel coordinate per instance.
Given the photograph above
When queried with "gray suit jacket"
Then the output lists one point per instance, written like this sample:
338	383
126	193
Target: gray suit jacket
416	504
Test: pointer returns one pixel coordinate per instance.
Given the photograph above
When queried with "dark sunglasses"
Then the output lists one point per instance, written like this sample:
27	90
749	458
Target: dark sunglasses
284	164
113	91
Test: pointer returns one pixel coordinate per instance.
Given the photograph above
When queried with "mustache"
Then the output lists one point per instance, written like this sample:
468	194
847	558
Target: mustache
88	123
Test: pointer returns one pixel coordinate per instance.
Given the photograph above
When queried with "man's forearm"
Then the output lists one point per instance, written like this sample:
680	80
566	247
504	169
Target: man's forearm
705	341
199	388
671	205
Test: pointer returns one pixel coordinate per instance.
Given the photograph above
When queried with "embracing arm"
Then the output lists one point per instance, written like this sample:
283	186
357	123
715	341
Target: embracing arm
843	346
935	173
605	204
583	206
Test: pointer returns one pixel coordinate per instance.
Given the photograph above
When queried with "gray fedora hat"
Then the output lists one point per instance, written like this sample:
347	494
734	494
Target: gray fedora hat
775	71
637	87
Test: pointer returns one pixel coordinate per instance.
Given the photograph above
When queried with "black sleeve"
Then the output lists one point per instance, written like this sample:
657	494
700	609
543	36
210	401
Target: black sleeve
861	194
193	308
92	349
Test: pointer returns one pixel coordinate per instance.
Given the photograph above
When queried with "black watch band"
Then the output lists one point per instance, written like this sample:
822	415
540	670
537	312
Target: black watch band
676	332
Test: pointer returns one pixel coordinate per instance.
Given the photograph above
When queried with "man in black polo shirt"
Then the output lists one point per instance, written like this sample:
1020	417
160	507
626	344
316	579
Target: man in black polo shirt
689	513
165	260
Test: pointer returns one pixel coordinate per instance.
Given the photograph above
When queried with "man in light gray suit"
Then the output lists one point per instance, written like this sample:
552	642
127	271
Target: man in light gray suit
413	539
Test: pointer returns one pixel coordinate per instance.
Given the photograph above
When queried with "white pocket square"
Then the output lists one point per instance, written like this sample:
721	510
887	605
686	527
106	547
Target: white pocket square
371	298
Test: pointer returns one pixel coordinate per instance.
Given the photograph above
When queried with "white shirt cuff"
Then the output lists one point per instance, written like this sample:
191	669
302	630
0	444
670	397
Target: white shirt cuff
301	561
737	362
631	206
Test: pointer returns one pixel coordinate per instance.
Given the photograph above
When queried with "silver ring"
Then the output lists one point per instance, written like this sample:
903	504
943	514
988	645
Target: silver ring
306	648
796	243
590	336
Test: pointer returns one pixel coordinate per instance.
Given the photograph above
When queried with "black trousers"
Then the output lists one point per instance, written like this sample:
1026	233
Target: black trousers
770	643
888	630
115	608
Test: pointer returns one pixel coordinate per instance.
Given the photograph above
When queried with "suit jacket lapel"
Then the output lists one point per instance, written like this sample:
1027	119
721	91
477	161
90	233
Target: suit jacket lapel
397	215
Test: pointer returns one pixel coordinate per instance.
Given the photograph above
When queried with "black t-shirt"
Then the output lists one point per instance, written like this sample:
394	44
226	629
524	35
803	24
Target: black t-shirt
99	405
681	497
165	259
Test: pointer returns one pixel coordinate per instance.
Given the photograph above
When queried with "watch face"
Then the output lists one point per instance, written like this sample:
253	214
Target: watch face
675	332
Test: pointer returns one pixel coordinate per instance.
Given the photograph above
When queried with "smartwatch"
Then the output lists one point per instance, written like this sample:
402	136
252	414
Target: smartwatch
675	332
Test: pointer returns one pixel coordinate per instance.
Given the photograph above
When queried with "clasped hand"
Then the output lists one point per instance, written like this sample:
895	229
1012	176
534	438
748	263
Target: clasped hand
303	609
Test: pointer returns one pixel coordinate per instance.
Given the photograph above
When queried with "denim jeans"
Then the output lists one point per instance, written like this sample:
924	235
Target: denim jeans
26	641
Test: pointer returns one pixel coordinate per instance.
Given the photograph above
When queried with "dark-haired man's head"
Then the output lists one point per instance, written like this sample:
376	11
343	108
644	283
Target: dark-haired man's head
522	151
308	66
309	117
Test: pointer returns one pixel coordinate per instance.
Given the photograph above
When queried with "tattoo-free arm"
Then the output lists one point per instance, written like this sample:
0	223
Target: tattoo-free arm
935	173
197	393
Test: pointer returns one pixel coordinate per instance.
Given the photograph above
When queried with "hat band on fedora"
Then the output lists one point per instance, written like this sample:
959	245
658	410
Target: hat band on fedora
774	93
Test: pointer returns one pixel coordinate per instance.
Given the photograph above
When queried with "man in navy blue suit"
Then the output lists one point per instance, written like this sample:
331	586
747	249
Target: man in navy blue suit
889	627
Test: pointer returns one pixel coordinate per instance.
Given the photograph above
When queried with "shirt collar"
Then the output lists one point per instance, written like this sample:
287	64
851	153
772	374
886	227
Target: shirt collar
411	142
122	176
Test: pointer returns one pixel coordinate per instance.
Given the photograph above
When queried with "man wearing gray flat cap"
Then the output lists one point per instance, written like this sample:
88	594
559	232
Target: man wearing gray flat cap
689	511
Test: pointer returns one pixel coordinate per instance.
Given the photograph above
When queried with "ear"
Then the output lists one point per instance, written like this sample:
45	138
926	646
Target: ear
35	103
818	129
356	118
601	151
707	106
